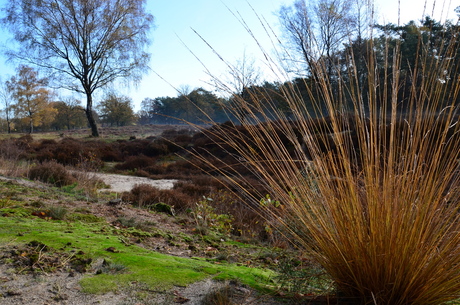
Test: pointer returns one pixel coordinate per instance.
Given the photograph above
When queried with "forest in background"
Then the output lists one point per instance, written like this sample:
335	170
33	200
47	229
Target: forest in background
29	104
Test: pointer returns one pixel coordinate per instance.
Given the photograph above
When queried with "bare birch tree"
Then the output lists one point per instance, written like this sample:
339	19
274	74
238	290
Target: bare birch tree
316	31
83	44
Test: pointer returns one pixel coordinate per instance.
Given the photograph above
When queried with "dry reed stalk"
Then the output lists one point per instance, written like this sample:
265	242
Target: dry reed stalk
378	207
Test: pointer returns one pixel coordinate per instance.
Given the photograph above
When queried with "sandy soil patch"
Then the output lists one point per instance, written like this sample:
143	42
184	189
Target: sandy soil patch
123	183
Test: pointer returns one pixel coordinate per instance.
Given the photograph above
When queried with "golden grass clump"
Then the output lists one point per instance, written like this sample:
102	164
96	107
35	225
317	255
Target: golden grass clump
369	190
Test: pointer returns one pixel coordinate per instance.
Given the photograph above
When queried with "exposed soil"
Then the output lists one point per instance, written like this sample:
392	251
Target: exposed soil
61	287
123	183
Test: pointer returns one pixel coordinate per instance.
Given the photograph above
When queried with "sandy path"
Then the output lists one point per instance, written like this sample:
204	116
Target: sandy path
123	183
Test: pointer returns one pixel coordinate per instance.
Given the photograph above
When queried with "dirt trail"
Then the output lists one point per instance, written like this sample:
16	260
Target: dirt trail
123	183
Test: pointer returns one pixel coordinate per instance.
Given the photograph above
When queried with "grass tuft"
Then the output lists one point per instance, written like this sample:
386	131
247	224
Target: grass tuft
367	188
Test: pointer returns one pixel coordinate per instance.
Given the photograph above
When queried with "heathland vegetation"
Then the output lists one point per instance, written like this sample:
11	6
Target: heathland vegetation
349	168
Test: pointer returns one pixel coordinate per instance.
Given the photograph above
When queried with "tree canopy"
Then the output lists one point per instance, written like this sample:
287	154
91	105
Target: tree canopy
116	110
32	98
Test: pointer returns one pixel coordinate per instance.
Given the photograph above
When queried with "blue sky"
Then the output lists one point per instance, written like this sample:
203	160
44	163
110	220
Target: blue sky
174	20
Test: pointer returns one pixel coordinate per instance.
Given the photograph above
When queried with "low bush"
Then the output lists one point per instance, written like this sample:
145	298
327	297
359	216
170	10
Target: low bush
156	149
247	222
46	142
107	152
144	195
69	151
24	141
53	173
136	163
12	150
183	169
155	169
132	148
192	189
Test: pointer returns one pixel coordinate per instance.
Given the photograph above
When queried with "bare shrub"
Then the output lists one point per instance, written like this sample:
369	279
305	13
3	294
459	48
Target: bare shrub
70	151
246	221
24	141
46	142
142	173
155	169
184	169
11	154
136	162
53	173
182	140
9	150
192	189
173	132
107	152
144	195
133	148
156	149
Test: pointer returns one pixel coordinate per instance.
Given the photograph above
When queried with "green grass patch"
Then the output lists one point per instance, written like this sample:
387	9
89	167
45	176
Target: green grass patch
156	271
86	218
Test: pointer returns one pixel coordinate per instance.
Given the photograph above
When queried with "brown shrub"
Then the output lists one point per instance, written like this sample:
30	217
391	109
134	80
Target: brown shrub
46	142
247	222
107	152
144	195
184	168
132	148
198	186
45	154
182	140
53	173
10	150
141	173
171	146
25	141
156	149
136	163
172	132
192	189
155	169
67	152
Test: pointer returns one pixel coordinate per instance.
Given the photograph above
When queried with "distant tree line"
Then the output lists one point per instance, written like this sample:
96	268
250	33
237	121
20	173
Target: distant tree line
335	35
28	104
85	57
